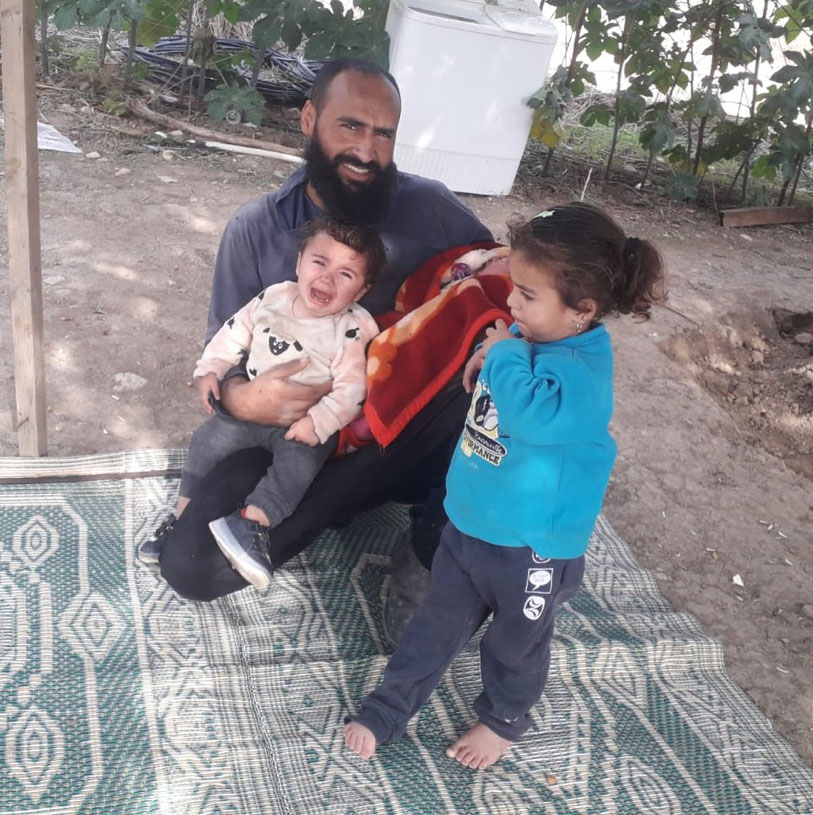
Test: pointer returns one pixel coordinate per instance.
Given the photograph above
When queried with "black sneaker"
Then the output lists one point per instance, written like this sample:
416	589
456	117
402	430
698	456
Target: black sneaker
245	545
149	553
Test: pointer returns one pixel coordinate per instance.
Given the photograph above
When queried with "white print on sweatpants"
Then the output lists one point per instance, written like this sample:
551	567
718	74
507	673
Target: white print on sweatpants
534	606
539	581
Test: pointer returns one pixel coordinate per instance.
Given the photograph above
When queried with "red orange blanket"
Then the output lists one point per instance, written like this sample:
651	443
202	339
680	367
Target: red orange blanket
428	337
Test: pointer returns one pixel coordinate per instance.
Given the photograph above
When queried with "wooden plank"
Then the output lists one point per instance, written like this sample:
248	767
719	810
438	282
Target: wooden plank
22	194
764	216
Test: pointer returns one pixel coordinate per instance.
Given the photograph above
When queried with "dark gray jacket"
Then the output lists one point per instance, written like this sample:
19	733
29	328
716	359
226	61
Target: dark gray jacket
260	243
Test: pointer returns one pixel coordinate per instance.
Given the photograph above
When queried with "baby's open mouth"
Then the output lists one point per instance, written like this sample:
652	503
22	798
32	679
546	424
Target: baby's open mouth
320	297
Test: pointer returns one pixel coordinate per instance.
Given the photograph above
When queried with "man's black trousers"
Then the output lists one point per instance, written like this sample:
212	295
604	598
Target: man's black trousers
411	470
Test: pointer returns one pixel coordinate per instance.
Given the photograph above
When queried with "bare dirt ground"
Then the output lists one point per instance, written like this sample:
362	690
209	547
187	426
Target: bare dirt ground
712	488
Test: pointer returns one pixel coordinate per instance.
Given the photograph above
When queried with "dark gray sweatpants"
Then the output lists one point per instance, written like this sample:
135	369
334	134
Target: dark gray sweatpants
470	579
280	490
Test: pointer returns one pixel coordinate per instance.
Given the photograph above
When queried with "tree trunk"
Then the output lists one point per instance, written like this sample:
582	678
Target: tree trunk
577	30
259	60
646	170
207	15
131	47
105	38
715	47
548	158
781	201
743	165
799	164
616	123
800	161
668	101
752	112
46	69
185	63
689	118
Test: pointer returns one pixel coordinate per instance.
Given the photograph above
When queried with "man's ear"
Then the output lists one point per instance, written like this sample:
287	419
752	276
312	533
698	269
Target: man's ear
307	119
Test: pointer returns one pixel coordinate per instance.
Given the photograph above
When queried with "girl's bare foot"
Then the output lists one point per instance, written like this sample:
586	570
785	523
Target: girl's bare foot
359	739
478	748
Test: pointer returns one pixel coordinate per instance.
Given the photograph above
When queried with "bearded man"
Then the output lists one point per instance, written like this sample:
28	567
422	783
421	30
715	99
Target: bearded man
351	121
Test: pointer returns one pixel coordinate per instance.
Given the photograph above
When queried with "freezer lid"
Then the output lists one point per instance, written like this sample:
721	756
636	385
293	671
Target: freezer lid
472	11
521	17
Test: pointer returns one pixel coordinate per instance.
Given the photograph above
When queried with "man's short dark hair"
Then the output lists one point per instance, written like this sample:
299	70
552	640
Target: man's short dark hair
361	239
332	68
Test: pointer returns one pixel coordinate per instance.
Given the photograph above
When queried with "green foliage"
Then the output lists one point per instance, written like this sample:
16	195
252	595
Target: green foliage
683	187
759	197
654	44
342	35
708	104
796	17
549	104
679	157
114	106
659	131
763	167
631	106
327	31
730	81
246	101
733	139
798	78
95	13
161	18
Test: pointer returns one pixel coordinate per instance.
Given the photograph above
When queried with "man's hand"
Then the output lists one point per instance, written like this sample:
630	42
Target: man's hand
498	332
304	431
270	399
472	369
206	384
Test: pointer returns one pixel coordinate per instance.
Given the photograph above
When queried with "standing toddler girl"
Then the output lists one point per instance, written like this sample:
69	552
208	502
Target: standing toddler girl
526	482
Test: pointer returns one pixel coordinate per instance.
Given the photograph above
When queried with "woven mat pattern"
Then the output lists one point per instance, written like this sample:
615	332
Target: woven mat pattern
119	697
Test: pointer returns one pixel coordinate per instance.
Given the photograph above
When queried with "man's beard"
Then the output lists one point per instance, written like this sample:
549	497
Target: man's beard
362	203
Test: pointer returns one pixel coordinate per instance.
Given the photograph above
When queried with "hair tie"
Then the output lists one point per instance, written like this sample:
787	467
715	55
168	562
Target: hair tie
631	249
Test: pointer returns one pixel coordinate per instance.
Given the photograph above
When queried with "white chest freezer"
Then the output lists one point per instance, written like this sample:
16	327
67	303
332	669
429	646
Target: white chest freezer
466	69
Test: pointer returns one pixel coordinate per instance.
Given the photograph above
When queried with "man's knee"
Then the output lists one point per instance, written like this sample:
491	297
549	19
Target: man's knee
193	571
185	580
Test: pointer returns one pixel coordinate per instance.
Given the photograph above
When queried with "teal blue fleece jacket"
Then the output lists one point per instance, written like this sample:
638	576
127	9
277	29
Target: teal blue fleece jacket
535	455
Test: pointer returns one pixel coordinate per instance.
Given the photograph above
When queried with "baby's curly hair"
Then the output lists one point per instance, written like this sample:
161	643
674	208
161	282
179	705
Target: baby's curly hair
592	258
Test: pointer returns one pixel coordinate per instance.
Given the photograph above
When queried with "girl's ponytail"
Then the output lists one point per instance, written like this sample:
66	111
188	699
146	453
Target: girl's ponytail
640	284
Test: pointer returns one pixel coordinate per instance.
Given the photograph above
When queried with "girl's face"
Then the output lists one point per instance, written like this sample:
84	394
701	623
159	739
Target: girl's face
537	307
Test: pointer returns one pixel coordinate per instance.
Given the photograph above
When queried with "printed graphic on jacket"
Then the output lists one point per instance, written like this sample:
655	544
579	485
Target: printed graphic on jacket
482	428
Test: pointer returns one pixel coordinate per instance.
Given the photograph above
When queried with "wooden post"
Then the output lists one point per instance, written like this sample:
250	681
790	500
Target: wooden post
22	195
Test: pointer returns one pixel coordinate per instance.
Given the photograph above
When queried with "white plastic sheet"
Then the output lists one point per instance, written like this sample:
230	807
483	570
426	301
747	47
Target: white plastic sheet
49	138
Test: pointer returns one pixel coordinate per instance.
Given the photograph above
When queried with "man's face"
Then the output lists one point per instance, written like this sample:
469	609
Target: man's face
352	137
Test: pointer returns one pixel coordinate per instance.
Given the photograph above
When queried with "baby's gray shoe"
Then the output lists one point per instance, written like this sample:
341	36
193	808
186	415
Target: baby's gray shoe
245	545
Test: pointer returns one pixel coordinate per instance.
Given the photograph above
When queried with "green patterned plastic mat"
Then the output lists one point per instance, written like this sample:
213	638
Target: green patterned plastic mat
119	697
